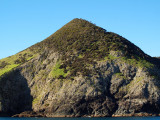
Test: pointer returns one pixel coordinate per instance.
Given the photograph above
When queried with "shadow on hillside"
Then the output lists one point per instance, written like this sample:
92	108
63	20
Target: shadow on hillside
156	61
15	94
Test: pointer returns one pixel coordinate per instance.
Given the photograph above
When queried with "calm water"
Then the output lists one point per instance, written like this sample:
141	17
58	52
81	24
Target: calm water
121	118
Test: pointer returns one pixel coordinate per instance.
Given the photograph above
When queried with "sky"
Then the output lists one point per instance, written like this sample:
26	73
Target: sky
26	22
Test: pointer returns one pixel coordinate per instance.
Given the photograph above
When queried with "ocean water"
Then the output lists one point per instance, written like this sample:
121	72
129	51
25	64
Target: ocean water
107	118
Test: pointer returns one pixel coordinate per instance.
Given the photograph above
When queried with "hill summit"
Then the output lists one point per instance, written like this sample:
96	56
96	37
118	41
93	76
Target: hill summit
80	70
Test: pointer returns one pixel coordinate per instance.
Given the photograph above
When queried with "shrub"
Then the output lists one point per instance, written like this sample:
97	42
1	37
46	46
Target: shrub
3	64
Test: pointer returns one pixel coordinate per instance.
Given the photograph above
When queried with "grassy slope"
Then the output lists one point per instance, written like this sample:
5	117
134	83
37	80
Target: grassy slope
9	63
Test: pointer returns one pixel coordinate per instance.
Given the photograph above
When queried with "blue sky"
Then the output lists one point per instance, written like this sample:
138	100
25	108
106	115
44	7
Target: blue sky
26	22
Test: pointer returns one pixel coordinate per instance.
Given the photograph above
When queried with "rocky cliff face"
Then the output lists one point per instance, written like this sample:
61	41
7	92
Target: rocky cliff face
106	76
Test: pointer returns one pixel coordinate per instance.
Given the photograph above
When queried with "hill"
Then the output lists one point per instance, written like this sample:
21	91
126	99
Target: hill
81	70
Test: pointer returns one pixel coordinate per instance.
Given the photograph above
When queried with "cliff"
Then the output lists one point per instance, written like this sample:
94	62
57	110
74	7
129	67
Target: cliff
80	70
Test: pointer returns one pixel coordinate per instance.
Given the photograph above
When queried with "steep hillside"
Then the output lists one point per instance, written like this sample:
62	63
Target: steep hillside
81	70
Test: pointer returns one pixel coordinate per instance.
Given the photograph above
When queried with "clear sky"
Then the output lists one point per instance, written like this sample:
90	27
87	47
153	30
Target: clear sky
26	22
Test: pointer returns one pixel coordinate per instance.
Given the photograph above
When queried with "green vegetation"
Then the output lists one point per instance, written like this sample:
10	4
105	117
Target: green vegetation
137	82
134	82
139	62
3	64
9	63
136	61
120	75
8	68
58	72
35	101
80	56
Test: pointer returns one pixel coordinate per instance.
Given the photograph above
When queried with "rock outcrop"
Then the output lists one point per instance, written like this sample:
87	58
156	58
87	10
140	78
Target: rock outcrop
81	70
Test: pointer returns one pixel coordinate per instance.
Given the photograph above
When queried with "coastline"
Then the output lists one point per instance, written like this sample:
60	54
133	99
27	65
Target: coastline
38	114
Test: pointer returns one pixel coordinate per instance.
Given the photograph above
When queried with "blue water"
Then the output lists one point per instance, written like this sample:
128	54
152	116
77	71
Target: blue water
107	118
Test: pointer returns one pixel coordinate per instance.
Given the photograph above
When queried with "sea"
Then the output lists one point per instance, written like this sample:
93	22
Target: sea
107	118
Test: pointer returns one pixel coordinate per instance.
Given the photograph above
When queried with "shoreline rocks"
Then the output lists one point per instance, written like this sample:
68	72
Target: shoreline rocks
37	114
